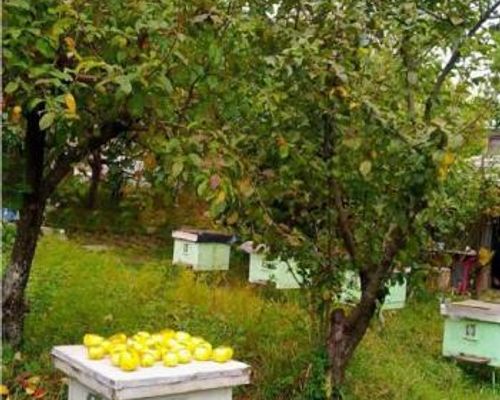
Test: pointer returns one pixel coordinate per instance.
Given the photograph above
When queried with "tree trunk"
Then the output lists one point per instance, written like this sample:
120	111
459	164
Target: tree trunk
96	166
346	332
16	276
336	352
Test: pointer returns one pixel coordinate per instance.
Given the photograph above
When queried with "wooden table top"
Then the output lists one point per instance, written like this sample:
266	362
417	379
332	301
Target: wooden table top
113	383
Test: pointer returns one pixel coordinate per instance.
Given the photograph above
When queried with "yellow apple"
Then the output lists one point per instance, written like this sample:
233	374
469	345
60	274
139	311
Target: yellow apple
157	353
182	336
106	344
115	358
96	352
156	338
90	340
192	343
118	338
129	361
138	347
170	359
148	359
184	356
202	353
222	354
173	344
117	348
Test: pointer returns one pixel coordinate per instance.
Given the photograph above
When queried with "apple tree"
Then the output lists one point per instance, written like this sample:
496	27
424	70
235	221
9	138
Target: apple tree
349	119
80	75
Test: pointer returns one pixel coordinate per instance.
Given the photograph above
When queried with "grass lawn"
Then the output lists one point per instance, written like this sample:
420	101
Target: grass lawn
74	290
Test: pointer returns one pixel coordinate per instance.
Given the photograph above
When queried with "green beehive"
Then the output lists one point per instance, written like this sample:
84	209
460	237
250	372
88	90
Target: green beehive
351	292
472	331
203	250
284	275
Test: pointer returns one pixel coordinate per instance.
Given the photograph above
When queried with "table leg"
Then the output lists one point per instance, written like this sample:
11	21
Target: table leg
77	391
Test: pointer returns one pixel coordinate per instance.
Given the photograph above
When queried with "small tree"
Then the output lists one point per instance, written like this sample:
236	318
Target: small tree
81	74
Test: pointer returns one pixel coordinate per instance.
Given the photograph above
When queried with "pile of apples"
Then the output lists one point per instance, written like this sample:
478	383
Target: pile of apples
144	349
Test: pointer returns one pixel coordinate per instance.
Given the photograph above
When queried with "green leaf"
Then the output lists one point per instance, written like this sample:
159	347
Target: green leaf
195	159
47	120
162	82
215	54
23	4
456	20
33	103
365	168
125	85
202	188
11	87
284	150
136	104
44	47
177	169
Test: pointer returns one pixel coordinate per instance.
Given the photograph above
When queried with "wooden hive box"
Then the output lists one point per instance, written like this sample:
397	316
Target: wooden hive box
99	380
284	274
203	250
472	331
395	299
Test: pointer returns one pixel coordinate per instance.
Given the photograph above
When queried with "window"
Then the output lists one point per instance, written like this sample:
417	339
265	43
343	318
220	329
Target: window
470	332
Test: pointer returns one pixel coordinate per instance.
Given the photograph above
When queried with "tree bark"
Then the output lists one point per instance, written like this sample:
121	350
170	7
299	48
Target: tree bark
16	276
96	167
336	352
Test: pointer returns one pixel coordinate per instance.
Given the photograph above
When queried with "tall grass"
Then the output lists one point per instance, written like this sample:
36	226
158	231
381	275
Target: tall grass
73	290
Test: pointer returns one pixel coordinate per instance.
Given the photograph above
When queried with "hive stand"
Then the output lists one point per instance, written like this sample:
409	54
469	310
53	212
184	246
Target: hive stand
99	380
203	250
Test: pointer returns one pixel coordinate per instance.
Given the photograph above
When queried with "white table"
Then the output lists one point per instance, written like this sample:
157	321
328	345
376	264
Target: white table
99	380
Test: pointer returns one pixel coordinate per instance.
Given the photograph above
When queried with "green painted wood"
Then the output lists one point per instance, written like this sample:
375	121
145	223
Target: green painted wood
472	331
283	274
202	256
351	292
471	338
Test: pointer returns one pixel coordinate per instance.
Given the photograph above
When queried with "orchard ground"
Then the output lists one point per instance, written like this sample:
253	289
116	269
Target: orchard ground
130	284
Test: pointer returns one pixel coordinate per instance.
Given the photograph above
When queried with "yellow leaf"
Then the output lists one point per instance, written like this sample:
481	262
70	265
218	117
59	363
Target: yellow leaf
70	42
150	162
34	380
485	256
220	197
442	173
365	167
448	159
341	92
29	390
4	390
232	219
16	114
245	187
70	103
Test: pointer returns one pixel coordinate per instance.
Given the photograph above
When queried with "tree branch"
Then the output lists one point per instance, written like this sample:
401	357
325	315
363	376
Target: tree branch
452	61
335	193
63	164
